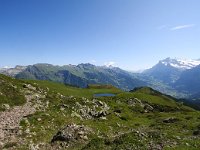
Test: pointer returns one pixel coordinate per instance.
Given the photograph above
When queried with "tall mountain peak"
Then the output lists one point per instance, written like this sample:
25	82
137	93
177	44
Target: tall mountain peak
180	63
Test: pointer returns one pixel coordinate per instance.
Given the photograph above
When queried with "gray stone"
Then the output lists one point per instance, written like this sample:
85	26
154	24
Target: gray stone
6	106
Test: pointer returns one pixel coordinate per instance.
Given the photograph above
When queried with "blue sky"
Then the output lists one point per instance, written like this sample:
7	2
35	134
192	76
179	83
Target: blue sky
133	34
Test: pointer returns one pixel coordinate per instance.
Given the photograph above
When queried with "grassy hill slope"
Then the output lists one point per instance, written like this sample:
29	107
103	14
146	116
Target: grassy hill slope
71	118
10	92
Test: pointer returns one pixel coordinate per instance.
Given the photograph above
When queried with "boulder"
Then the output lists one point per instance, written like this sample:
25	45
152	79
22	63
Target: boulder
170	120
148	107
71	133
6	106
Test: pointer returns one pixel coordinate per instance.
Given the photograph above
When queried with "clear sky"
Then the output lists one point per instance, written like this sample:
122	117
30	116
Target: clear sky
133	34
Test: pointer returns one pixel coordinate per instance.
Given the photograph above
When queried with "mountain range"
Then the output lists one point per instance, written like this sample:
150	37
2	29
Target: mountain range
176	77
39	114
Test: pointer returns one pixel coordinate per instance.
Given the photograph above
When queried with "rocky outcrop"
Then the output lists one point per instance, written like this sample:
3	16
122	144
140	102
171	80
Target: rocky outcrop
139	105
70	134
91	109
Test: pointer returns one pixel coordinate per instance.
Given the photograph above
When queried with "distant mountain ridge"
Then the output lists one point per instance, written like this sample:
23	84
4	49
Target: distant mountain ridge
78	75
12	71
176	77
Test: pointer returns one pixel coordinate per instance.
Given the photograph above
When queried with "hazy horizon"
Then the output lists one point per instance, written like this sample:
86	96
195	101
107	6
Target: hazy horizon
131	34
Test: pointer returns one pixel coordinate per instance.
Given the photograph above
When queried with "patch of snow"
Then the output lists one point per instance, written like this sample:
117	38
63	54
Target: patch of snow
110	64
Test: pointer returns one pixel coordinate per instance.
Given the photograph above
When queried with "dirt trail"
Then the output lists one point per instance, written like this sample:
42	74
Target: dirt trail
10	119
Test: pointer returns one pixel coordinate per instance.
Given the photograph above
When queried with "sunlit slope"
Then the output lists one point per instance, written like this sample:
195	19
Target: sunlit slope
11	92
67	117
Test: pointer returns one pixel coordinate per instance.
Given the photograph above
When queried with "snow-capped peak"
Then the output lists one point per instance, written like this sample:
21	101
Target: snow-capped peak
180	63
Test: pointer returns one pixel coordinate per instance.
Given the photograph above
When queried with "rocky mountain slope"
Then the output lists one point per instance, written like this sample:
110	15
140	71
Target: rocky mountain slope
49	115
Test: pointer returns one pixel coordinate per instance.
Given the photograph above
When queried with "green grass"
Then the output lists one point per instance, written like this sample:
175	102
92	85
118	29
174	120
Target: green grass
150	124
154	97
10	92
77	92
125	127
